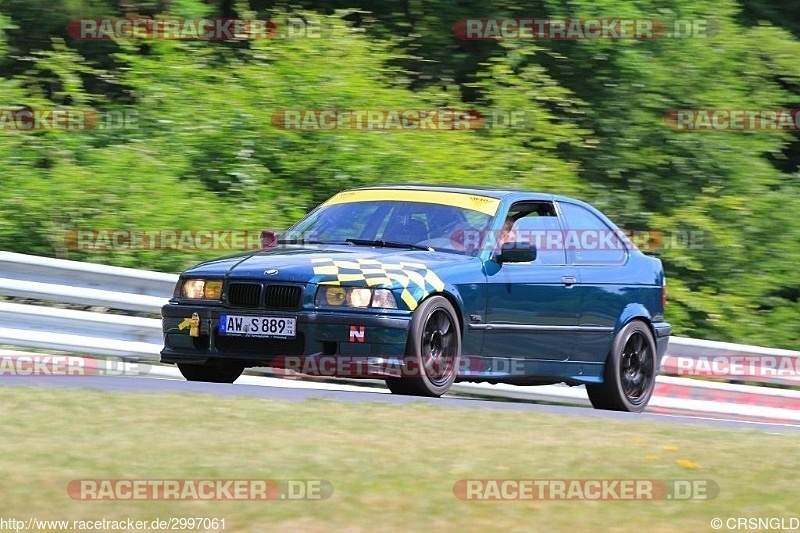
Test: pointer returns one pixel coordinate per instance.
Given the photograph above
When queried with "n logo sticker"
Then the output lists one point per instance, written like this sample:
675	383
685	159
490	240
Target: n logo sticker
357	333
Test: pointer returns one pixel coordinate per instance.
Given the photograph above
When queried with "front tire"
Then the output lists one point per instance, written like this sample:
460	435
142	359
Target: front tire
630	373
433	350
214	371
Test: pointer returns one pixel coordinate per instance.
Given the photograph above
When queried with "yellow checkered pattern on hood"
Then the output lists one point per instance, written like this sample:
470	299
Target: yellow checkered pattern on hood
414	278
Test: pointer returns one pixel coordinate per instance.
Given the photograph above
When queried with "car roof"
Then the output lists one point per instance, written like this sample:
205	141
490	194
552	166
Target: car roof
500	194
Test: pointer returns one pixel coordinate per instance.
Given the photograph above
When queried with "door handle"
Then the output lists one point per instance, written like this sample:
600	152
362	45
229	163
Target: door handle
569	280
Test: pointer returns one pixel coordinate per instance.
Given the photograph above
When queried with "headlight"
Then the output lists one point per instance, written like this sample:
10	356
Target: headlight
202	289
383	298
336	296
333	295
358	297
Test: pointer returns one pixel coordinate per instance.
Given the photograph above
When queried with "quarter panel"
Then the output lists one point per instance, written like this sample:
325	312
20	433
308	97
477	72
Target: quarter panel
612	296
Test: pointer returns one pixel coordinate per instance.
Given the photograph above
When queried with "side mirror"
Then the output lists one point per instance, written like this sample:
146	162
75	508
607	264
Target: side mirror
516	252
269	239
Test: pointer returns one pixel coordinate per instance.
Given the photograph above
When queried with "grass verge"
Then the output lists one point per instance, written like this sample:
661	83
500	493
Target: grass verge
392	467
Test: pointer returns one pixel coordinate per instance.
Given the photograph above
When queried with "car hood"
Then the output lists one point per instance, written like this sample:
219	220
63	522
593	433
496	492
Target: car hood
307	263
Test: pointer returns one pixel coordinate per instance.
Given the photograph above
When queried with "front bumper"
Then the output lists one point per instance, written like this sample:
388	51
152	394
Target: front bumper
319	332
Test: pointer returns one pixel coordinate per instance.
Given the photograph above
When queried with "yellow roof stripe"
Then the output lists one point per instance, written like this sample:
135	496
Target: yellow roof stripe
483	204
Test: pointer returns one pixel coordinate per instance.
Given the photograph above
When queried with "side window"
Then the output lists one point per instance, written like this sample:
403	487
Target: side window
591	241
537	223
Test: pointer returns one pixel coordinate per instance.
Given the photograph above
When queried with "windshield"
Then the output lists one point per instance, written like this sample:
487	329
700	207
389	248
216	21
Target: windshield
413	223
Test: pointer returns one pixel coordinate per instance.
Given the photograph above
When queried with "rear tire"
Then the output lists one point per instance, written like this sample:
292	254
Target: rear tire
433	349
214	371
630	373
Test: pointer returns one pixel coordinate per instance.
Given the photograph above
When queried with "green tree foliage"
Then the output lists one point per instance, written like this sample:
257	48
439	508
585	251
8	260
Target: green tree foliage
205	155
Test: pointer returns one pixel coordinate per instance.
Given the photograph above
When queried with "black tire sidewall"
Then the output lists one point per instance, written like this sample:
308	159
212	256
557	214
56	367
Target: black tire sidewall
613	377
414	345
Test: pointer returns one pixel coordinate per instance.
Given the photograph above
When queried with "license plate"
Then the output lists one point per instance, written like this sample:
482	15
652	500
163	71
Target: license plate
257	326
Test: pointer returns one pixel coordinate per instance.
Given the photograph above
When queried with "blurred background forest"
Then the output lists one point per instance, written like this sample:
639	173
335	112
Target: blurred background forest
206	156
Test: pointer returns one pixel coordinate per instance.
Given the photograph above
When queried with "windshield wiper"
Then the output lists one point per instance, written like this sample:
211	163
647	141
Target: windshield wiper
308	241
390	244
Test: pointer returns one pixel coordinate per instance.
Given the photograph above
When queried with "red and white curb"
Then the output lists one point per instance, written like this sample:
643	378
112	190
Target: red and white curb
746	402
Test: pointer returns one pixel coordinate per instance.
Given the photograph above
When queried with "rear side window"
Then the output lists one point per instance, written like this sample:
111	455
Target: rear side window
590	240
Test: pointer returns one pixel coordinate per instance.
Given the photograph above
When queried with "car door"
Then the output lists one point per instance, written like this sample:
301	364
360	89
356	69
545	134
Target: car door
532	310
599	255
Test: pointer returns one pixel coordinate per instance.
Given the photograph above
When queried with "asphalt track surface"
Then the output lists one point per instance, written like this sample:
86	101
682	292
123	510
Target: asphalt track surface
273	389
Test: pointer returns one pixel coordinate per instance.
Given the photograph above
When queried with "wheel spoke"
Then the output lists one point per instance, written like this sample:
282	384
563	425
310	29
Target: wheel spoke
442	323
638	344
439	345
436	321
430	364
636	367
445	329
446	344
647	364
427	342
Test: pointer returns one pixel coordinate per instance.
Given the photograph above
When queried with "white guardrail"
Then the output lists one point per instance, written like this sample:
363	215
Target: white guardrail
108	288
84	284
